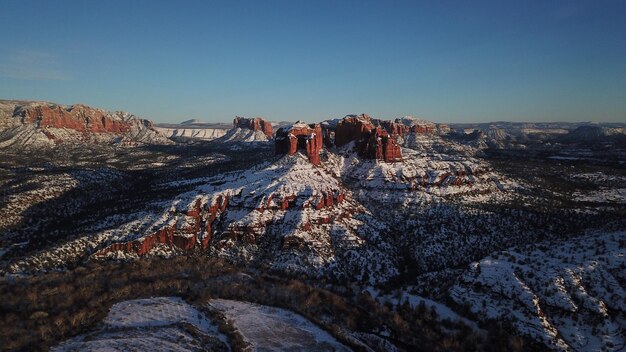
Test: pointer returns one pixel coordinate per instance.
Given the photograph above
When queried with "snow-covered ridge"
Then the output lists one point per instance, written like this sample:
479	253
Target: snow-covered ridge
568	295
196	133
243	135
292	215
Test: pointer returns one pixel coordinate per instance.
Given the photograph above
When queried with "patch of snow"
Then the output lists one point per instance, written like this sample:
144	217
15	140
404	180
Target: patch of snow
275	329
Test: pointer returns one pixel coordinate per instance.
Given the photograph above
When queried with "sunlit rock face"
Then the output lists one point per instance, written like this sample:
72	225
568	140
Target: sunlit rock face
255	124
77	117
307	138
372	142
42	124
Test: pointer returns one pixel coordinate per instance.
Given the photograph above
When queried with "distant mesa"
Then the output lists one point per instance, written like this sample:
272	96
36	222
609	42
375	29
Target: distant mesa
77	117
255	124
28	123
193	122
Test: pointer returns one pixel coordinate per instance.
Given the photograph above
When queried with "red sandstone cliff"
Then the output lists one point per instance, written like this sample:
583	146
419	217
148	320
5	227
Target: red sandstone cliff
190	230
77	117
37	124
256	124
353	128
372	142
300	136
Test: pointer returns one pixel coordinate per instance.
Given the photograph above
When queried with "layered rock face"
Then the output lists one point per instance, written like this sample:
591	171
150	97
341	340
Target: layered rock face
300	136
298	210
77	117
255	124
380	146
207	134
393	128
353	128
41	124
372	142
409	124
188	230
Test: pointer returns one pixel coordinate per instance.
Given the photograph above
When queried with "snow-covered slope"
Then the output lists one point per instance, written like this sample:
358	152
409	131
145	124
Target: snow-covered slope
243	135
569	295
418	196
290	216
273	329
153	324
195	133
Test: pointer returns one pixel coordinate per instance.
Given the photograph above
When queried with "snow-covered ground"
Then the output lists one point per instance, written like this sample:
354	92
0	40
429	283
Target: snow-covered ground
568	295
611	195
243	135
207	134
274	329
153	324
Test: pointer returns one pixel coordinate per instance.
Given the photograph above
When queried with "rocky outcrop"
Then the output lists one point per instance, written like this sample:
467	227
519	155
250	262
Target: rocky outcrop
393	128
380	146
300	136
353	128
255	124
372	142
189	230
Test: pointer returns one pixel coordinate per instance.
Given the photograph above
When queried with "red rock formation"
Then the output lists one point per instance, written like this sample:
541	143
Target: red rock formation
411	125
186	233
393	128
381	146
256	124
422	129
372	142
300	136
353	128
340	197
329	199
400	129
77	117
287	202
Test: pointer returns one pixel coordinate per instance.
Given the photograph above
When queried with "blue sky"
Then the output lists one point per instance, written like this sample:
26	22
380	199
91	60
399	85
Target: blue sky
446	61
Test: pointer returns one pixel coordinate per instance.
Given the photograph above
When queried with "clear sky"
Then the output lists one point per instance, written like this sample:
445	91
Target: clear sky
446	61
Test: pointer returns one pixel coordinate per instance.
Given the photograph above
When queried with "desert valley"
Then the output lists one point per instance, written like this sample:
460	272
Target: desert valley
347	233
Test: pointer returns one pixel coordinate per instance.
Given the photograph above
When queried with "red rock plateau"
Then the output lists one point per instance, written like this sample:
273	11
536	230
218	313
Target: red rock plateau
300	136
255	124
76	117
